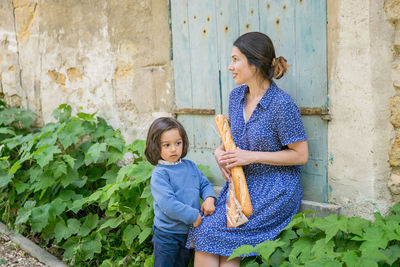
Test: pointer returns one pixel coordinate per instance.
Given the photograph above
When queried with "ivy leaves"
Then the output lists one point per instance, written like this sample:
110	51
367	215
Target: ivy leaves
62	183
331	241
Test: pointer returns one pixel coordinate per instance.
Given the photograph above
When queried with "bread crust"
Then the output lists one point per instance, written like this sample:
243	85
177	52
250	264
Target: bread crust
238	178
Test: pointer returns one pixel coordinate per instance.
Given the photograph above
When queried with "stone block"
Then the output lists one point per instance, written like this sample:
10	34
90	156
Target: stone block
394	158
394	183
395	111
396	73
392	9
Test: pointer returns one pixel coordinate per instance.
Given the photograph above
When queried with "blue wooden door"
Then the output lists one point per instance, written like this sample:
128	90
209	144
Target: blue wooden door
202	36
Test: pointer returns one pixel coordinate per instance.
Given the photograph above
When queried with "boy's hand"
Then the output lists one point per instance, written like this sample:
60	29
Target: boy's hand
208	206
198	221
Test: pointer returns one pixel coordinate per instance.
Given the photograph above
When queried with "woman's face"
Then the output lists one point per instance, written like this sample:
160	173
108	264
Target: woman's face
242	71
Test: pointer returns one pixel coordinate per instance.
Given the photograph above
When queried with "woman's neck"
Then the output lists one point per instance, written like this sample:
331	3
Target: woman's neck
257	89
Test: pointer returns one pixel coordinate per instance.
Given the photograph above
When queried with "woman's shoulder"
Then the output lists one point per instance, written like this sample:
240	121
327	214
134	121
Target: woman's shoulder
238	92
281	96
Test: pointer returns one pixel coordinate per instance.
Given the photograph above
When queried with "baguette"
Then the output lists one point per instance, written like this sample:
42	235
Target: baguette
239	181
234	214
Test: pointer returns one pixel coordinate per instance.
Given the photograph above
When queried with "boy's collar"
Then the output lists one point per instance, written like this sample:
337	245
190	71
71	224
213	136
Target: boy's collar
164	162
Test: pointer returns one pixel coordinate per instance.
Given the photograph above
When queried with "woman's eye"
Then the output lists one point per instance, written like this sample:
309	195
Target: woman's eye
179	143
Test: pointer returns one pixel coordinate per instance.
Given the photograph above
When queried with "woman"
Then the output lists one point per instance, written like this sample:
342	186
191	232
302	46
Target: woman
267	128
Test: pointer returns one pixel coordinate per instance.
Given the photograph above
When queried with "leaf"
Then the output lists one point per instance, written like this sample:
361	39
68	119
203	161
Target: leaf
70	160
4	130
70	133
25	212
21	187
392	253
351	258
140	171
268	247
62	113
301	249
107	263
111	175
356	225
44	181
47	139
242	250
71	246
146	192
57	207
205	169
77	205
61	231
331	225
138	147
14	168
143	235
45	155
73	225
374	238
59	168
112	223
91	245
91	221
321	249
94	152
5	178
40	217
129	234
117	143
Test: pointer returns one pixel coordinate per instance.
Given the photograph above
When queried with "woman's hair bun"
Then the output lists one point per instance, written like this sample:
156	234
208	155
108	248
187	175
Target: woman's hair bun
280	66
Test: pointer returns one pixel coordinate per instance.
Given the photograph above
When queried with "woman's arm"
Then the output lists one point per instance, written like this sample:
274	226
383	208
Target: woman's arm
296	154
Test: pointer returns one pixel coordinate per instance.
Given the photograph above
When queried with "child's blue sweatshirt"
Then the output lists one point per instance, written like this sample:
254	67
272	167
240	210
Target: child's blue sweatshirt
177	190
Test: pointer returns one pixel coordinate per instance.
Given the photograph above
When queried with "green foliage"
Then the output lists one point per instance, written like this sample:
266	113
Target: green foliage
331	241
62	184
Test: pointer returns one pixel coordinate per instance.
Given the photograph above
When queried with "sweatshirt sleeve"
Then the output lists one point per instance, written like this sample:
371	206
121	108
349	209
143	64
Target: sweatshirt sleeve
164	196
206	188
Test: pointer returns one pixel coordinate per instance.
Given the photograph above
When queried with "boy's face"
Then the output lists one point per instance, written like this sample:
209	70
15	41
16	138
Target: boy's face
171	145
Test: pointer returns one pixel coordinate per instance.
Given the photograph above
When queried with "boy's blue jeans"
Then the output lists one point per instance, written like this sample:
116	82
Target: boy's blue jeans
169	249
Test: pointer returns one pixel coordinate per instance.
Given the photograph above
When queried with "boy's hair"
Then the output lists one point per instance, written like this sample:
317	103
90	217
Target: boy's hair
153	144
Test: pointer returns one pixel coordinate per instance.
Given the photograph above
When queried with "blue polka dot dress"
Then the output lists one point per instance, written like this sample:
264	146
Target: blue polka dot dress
275	191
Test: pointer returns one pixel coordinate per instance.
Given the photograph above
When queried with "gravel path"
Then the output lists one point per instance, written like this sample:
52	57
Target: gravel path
12	255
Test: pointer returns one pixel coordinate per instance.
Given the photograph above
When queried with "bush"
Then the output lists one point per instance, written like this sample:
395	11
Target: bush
331	241
61	185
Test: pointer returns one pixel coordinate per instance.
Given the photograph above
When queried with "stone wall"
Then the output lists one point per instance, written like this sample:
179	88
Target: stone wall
359	136
109	57
392	9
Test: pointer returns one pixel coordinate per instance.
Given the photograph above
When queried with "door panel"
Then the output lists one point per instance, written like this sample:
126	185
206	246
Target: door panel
203	33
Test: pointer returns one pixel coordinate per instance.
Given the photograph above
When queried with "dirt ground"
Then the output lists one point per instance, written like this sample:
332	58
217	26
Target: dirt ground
12	255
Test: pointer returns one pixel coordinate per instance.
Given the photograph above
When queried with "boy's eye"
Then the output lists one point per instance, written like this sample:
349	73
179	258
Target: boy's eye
166	145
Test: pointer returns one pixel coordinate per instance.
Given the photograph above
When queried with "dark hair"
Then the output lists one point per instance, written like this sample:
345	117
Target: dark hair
153	145
260	52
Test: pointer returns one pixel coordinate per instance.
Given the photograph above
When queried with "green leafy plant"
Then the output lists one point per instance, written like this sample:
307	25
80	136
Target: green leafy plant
62	185
331	241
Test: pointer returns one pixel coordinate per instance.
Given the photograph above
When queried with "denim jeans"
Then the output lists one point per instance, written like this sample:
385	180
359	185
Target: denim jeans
169	249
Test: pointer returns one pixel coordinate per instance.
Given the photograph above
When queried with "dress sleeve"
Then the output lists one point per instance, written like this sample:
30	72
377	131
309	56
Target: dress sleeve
164	196
289	124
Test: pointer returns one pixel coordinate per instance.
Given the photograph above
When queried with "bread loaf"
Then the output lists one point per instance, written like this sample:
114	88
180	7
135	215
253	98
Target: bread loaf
239	181
234	214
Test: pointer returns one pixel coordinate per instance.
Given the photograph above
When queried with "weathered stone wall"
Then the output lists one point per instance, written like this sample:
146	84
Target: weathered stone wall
110	57
392	9
359	72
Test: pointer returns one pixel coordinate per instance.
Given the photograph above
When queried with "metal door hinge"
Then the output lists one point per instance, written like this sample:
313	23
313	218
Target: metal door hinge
322	112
